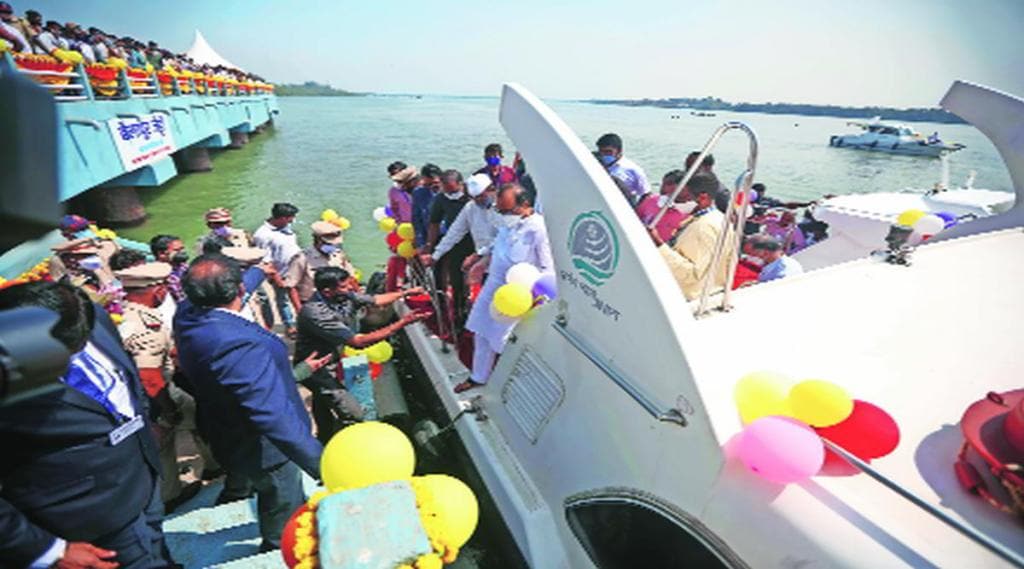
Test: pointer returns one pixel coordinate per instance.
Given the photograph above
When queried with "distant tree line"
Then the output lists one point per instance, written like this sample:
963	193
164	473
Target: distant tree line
311	89
936	115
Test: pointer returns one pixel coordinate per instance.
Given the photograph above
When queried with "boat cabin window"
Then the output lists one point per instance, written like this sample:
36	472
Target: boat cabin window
890	130
624	533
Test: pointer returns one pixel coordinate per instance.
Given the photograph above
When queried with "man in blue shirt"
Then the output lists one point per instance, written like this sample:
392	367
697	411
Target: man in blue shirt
248	406
777	264
609	148
422	199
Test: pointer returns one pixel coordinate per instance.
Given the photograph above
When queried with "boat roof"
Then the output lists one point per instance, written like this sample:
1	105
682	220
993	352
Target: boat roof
877	121
916	341
888	205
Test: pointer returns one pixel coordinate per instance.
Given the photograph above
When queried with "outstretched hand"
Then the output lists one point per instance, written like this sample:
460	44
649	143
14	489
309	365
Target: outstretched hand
82	555
315	361
417	316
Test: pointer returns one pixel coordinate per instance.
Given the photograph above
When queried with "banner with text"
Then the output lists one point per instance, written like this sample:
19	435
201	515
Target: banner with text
143	140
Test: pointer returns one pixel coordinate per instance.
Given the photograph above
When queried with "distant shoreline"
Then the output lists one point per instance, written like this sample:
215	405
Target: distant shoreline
312	89
933	115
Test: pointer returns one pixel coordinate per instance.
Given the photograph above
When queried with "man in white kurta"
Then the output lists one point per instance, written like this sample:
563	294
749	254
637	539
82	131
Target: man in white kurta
522	238
689	257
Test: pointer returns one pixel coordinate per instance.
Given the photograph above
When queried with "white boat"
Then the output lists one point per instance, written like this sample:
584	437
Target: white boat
858	223
894	138
603	433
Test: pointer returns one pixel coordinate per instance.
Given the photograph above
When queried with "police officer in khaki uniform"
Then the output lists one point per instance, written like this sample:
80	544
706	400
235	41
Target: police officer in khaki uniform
326	251
82	264
147	339
221	232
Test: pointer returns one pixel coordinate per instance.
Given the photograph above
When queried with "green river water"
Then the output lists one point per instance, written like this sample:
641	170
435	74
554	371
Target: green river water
331	152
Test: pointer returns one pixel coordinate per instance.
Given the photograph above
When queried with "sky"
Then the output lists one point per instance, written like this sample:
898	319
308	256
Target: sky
902	53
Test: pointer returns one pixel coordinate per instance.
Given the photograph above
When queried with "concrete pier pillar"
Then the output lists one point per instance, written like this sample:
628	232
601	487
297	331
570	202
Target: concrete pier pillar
114	207
194	159
239	139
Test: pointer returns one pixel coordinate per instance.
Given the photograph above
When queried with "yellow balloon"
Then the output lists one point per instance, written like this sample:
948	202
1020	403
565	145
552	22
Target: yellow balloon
387	225
448	509
342	223
406	231
910	217
513	300
406	249
328	215
761	394
365	454
380	352
819	403
349	351
358	275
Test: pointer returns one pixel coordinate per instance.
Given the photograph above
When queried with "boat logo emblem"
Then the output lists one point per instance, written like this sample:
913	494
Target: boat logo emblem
594	247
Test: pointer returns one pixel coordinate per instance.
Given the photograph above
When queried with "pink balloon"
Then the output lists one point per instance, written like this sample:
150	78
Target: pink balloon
781	449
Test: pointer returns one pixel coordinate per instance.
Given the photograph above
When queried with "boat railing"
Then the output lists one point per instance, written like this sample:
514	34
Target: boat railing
422	276
730	238
69	82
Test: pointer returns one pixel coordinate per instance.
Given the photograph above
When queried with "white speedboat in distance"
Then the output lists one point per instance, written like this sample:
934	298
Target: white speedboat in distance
603	435
894	138
859	223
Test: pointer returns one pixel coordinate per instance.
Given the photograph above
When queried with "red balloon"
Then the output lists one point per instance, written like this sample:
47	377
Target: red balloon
393	240
288	537
869	432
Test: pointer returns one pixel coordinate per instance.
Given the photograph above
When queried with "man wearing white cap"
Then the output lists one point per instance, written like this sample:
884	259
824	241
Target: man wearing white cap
480	221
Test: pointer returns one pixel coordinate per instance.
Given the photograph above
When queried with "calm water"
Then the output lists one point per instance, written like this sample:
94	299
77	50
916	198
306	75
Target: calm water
332	153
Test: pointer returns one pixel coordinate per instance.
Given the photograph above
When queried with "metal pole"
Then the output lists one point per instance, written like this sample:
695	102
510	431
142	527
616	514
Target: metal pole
983	540
691	171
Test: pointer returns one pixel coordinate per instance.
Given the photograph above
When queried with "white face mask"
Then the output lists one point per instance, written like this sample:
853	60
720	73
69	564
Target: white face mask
687	207
510	219
454	197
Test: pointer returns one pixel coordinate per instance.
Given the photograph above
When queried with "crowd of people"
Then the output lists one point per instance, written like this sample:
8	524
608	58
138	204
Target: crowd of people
171	344
163	349
31	34
685	223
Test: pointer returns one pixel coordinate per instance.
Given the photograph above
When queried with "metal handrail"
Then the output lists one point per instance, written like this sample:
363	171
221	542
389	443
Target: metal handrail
974	535
743	183
669	415
87	122
50	73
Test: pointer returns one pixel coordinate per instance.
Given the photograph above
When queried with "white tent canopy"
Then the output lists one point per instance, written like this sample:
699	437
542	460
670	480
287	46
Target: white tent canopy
202	53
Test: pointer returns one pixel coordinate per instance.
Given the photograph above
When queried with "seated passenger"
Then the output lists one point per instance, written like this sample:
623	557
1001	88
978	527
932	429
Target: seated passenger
689	257
777	264
786	230
649	207
707	166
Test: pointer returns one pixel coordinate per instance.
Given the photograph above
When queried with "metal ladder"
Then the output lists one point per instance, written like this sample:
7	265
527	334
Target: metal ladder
727	243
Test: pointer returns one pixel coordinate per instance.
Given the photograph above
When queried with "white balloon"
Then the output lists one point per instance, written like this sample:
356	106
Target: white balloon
379	213
929	225
524	274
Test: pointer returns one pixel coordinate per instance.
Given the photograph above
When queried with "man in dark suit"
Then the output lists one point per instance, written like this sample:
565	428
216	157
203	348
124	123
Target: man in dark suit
79	477
249	407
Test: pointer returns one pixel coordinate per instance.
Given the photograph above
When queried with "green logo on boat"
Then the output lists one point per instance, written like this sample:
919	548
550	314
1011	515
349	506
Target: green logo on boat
594	247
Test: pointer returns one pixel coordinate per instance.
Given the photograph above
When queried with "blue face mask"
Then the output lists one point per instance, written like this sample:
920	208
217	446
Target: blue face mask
327	248
608	160
493	161
91	263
